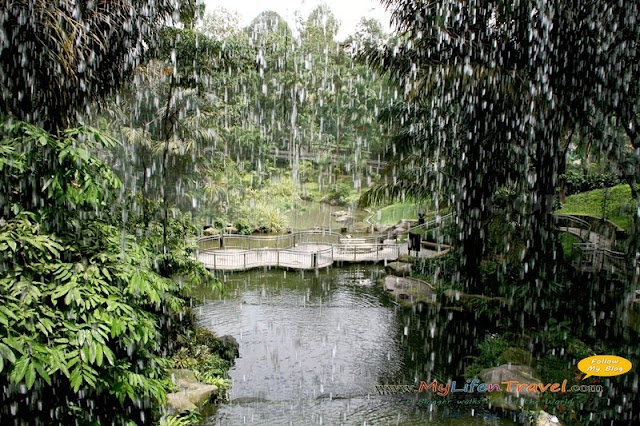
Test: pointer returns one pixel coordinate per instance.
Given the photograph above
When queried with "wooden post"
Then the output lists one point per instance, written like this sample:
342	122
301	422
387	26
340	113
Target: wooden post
245	260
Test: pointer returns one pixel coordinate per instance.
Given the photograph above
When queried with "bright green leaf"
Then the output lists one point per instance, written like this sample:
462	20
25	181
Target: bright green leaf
30	376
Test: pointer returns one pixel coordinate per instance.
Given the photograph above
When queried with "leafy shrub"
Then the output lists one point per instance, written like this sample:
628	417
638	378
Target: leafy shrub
489	355
339	193
208	357
268	218
576	181
219	222
441	269
243	226
184	419
85	315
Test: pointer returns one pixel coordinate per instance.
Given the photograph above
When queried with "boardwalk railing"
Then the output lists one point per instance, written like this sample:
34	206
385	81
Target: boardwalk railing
418	229
592	257
301	250
433	223
573	225
595	258
247	259
302	257
251	242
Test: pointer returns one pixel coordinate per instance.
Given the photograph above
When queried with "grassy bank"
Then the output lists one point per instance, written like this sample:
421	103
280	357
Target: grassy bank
617	202
393	213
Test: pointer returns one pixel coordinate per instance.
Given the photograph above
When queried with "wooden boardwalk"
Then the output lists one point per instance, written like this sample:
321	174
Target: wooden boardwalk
305	249
304	256
596	251
320	248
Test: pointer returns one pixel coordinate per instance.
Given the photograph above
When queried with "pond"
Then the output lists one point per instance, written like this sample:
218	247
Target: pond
314	346
310	214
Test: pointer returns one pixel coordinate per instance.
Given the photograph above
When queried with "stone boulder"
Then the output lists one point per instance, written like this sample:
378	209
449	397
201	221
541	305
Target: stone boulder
230	349
345	219
398	268
512	400
378	227
409	289
517	356
191	395
399	229
361	227
542	418
209	231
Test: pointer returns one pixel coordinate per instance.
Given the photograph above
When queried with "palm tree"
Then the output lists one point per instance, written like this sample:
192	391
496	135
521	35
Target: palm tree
74	51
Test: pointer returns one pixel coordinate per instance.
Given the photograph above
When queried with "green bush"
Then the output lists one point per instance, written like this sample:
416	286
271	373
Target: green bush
243	226
567	241
208	357
489	355
85	315
439	270
189	418
577	181
339	193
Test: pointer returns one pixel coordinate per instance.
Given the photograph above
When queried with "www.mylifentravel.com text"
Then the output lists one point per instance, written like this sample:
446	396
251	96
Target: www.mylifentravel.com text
475	386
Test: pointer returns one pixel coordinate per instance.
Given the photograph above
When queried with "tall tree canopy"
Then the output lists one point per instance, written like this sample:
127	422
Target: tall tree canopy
493	90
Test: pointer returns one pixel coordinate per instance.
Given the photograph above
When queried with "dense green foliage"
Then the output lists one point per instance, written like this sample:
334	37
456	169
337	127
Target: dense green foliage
580	182
85	317
208	357
492	101
494	94
199	122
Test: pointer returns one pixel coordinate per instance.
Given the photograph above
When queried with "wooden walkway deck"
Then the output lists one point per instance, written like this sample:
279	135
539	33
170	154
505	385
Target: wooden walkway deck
304	256
320	248
595	252
303	250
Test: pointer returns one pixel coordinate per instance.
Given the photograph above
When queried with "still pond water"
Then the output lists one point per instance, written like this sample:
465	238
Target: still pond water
313	347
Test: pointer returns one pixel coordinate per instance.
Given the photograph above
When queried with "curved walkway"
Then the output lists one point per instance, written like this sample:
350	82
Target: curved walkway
305	249
320	249
595	252
304	256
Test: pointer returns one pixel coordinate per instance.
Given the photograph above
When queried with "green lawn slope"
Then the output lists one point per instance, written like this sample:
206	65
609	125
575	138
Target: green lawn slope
619	205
